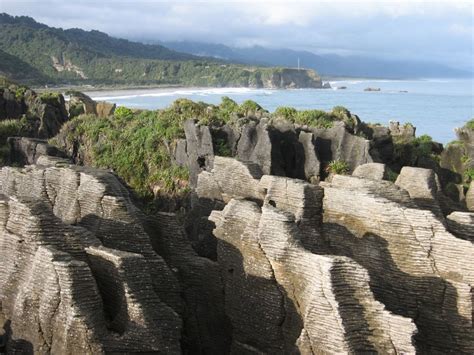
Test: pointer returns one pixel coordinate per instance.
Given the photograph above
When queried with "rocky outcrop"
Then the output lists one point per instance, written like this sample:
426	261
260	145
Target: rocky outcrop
286	78
352	266
26	151
44	113
277	147
417	268
79	103
281	297
373	171
406	131
107	290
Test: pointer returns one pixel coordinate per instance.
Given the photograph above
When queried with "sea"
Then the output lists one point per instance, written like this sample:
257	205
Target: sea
434	106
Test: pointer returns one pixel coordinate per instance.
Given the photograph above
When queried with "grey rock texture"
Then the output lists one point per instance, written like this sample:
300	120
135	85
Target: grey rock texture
461	224
373	171
25	151
358	265
107	288
337	143
281	298
417	268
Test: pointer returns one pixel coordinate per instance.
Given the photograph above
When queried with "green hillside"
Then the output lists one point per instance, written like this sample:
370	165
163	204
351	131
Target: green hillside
34	53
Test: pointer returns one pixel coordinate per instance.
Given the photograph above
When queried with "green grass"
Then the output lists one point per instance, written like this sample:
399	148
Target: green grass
338	167
9	128
135	146
469	175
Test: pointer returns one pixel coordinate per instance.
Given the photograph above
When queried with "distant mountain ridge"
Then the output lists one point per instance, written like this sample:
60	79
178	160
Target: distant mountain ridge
35	53
327	64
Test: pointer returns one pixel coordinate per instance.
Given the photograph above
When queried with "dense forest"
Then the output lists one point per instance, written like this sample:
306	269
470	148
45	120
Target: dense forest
34	53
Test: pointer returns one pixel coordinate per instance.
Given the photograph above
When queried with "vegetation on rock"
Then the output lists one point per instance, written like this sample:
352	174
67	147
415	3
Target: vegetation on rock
338	167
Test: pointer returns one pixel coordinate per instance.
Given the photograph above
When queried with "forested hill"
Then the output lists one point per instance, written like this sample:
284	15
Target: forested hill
35	53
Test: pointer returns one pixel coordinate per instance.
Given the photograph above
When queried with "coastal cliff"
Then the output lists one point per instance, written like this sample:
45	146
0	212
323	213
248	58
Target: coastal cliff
228	229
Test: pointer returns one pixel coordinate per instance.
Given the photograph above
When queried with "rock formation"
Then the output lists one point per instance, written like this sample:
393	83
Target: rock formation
44	113
268	258
76	231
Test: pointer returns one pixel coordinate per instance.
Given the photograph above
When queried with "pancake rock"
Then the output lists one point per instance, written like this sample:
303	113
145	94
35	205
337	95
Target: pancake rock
279	295
76	231
417	268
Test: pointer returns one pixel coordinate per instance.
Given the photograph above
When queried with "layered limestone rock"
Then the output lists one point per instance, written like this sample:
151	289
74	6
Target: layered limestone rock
373	171
461	224
281	298
107	288
277	146
417	268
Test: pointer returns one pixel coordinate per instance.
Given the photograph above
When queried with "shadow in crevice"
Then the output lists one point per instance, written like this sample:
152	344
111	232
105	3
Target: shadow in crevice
430	301
11	345
112	292
287	154
263	317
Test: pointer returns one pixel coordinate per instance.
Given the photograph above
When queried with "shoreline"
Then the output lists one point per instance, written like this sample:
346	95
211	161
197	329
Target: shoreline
104	88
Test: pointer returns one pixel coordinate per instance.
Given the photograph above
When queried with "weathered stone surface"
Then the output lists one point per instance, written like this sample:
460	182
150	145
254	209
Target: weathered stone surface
417	268
301	199
105	109
337	143
230	178
199	149
28	150
470	197
424	188
43	202
373	171
461	224
207	327
303	301
312	165
255	145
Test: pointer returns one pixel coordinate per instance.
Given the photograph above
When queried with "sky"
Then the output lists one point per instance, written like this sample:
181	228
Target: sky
436	31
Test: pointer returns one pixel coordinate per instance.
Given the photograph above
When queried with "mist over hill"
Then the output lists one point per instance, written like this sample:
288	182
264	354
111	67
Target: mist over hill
326	64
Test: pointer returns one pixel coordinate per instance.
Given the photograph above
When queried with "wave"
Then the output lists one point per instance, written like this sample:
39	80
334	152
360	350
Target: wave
180	92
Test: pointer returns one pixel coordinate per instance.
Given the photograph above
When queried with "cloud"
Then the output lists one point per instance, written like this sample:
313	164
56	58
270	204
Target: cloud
415	29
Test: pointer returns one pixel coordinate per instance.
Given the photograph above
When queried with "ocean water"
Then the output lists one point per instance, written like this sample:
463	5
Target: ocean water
434	106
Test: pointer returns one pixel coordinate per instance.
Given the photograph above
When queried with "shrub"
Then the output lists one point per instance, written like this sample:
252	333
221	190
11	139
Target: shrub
222	148
338	167
341	112
470	124
9	128
469	175
123	113
391	175
313	118
248	106
288	113
20	92
49	96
